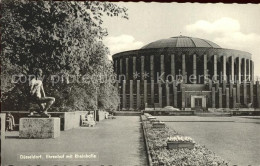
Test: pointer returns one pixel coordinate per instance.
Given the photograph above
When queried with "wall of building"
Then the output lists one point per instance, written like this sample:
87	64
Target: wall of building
135	93
227	78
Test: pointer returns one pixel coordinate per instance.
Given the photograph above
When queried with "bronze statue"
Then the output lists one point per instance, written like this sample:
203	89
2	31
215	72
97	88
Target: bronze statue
38	95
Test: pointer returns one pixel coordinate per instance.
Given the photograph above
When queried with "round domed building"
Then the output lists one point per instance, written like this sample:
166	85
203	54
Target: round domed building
187	73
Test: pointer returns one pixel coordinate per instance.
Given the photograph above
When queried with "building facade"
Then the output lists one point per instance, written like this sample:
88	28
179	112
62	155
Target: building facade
187	73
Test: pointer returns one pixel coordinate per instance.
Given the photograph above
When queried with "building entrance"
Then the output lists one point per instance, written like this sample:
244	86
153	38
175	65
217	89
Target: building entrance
198	102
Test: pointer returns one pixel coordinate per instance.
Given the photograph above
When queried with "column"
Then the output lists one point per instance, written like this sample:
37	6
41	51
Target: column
183	97
244	77
210	84
131	94
217	86
173	66
238	93
117	85
121	66
195	68
115	62
167	94
126	68
151	67
245	93
251	92
224	86
232	79
258	94
215	67
124	95
224	65
145	92
239	69
183	68
142	67
175	95
205	72
220	98
230	88
253	72
152	92
249	70
138	100
162	65
213	97
160	94
134	67
227	97
234	98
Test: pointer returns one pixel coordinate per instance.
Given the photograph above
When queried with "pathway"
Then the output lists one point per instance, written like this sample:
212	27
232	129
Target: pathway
117	142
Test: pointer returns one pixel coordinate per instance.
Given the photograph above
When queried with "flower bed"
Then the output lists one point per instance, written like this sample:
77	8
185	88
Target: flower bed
157	139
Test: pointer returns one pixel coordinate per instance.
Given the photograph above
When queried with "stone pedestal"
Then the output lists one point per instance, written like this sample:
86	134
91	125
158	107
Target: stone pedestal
39	128
158	125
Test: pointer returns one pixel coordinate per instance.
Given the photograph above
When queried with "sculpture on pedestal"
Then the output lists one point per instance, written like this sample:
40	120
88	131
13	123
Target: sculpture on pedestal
38	95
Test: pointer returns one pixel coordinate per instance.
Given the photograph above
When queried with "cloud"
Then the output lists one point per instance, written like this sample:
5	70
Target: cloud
226	32
223	25
121	43
238	40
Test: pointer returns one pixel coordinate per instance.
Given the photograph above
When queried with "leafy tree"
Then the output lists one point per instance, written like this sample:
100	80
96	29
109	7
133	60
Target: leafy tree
63	39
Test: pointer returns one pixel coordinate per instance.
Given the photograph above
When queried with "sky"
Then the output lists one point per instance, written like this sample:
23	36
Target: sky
233	26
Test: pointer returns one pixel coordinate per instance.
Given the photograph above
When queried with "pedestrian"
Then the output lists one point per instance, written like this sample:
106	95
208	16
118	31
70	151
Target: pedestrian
9	122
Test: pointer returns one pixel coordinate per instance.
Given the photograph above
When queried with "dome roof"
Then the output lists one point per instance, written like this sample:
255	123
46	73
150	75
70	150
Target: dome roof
181	41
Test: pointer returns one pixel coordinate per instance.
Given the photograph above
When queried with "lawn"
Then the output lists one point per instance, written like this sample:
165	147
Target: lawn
236	139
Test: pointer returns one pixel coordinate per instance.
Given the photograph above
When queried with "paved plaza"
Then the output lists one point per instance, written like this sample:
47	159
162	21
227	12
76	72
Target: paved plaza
117	142
120	141
236	139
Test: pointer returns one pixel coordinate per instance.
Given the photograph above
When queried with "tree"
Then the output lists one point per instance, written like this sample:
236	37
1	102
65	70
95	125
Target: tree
62	38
